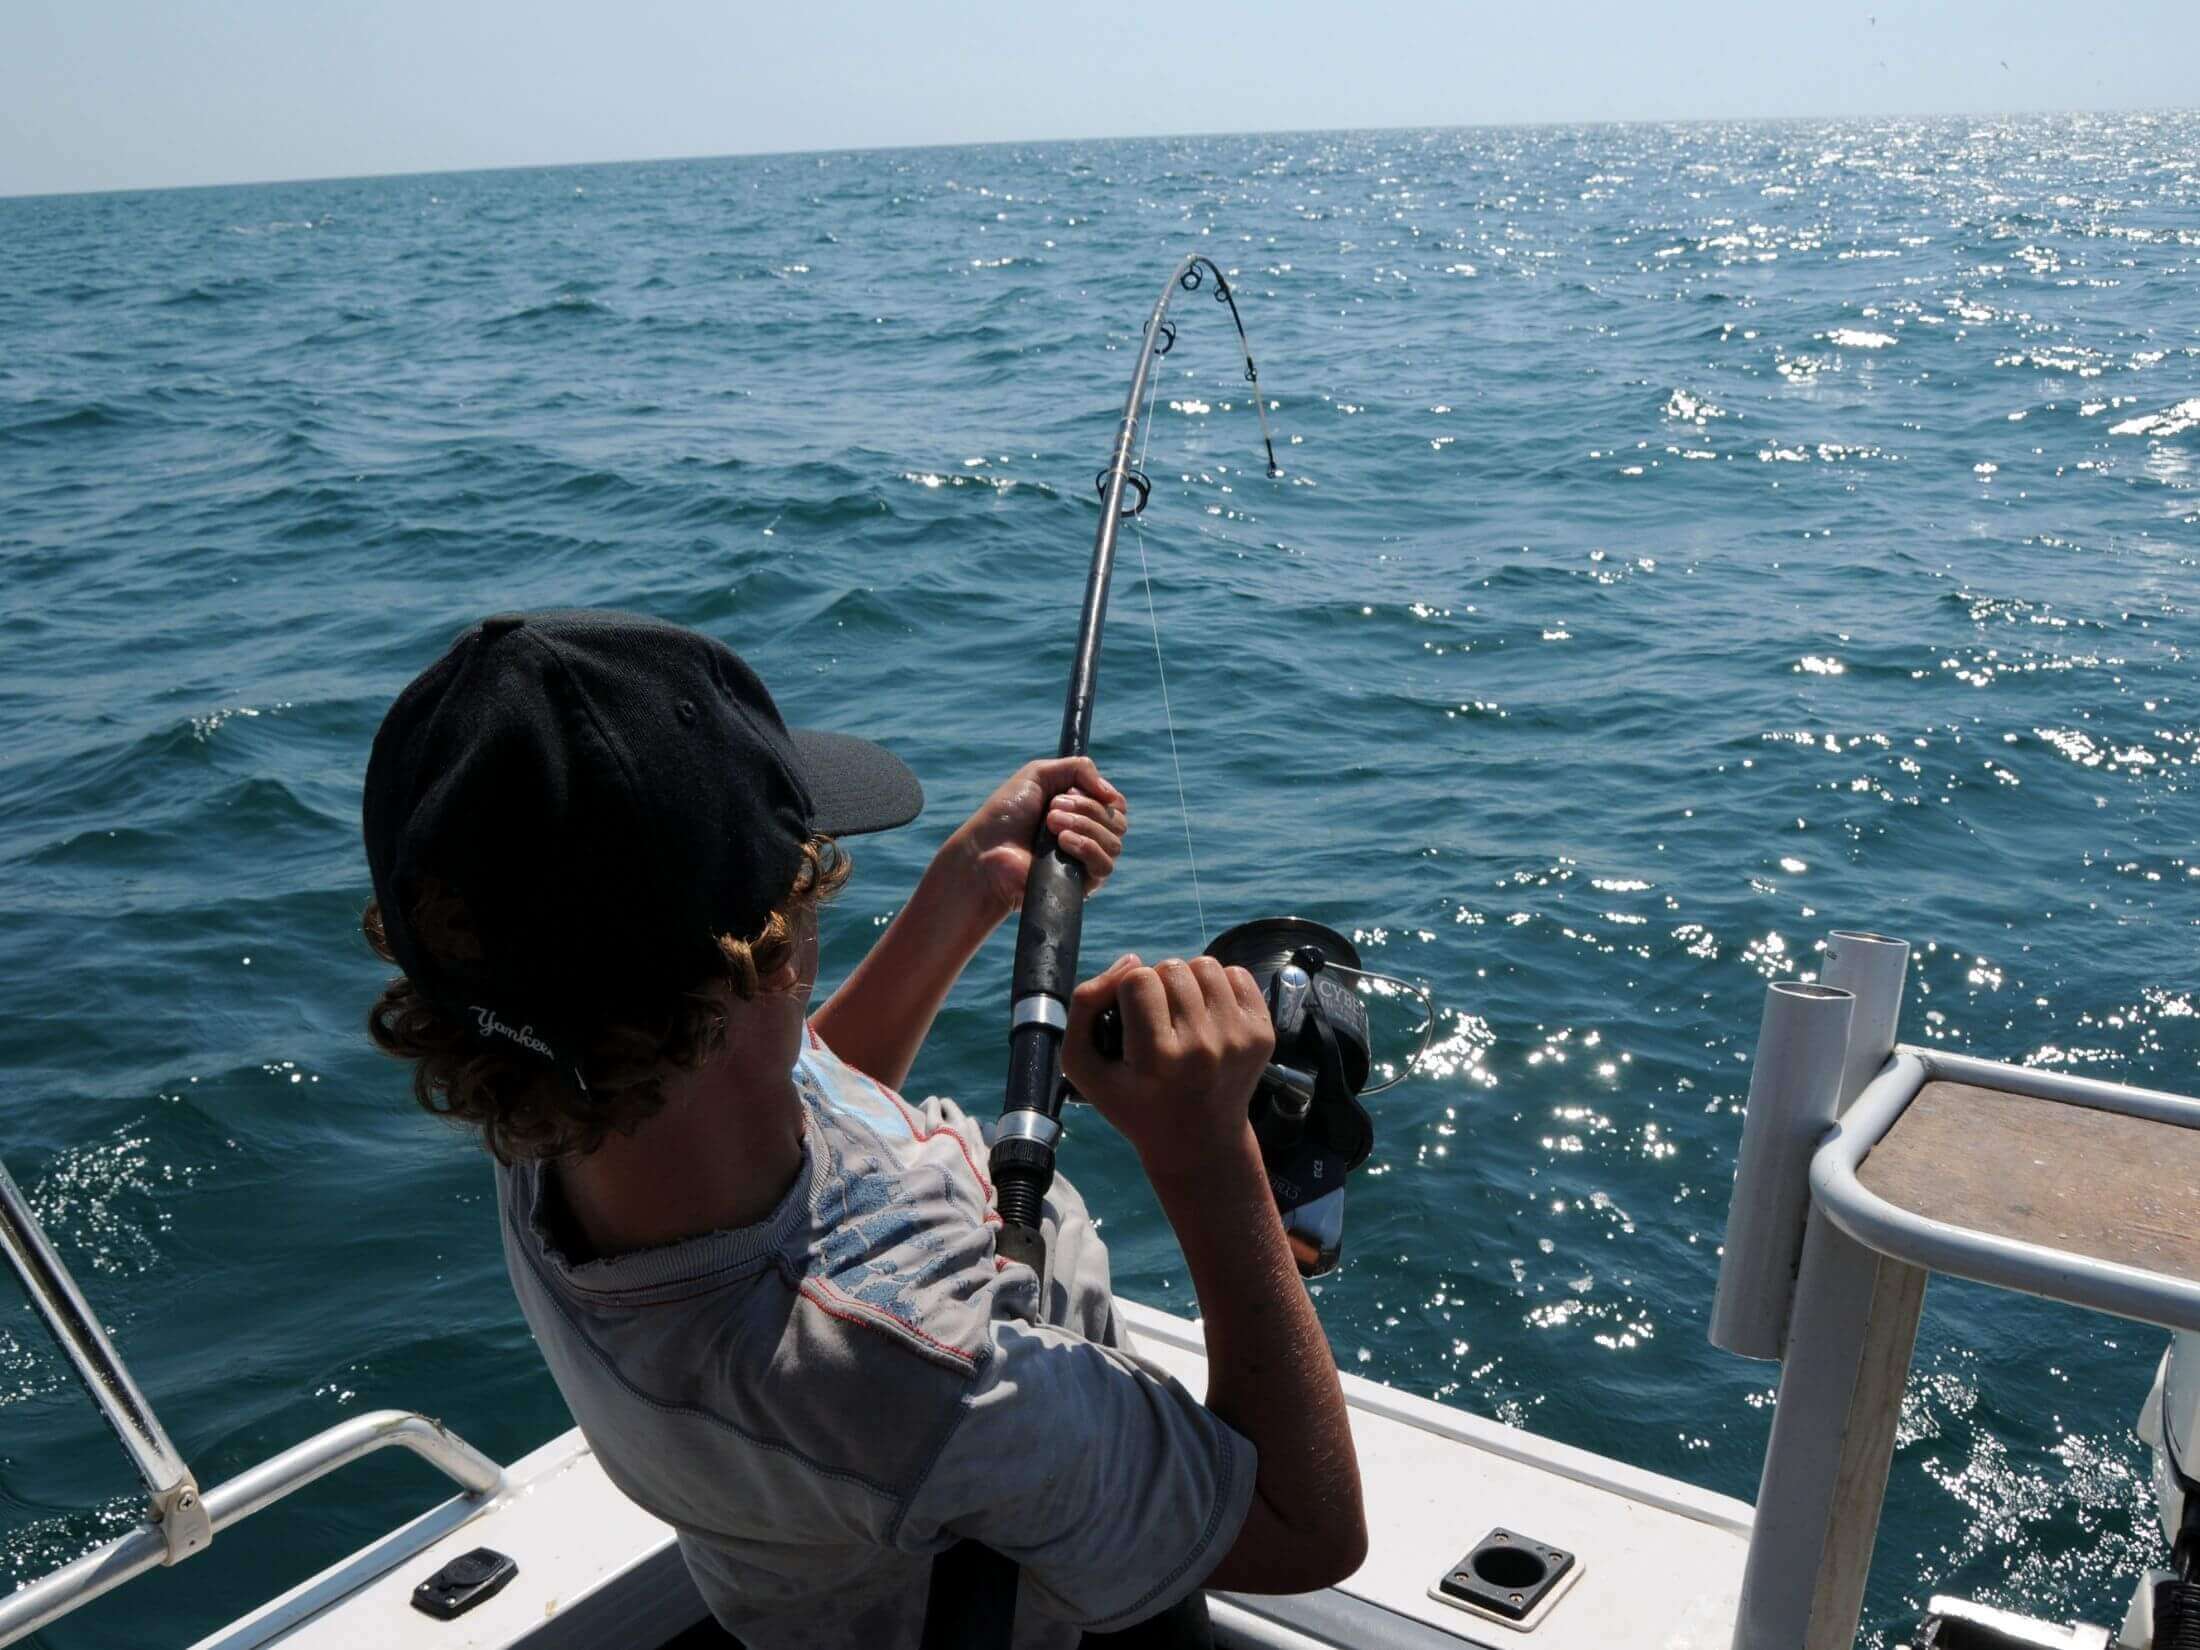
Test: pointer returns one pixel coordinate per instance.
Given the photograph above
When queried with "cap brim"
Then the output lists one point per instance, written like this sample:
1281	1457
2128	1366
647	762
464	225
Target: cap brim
855	786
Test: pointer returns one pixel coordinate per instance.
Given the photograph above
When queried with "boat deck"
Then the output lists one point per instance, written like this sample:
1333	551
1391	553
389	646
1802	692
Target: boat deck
1659	1561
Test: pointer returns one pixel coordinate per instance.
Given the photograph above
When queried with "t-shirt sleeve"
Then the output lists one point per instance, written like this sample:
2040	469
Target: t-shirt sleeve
1114	1489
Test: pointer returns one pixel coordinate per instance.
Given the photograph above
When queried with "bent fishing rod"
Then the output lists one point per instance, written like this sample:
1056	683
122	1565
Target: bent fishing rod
1305	1108
972	1602
1052	920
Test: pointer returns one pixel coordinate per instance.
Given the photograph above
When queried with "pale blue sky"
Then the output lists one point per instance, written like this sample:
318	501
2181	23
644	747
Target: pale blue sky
104	94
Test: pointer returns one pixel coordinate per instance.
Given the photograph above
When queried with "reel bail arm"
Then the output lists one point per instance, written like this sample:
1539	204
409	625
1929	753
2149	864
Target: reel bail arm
1306	1107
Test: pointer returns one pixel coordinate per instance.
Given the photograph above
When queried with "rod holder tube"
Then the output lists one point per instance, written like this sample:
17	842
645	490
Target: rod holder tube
1873	969
1793	1094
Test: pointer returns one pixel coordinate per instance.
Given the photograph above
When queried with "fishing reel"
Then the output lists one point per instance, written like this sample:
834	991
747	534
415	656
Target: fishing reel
1306	1111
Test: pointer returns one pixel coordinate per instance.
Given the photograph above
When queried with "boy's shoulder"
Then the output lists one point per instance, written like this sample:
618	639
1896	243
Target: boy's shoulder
836	1342
843	1341
900	1239
873	1286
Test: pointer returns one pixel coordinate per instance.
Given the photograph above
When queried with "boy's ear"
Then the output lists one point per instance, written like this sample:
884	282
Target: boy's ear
781	979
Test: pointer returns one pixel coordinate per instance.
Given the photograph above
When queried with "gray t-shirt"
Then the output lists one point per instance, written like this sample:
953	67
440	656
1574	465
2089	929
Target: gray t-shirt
820	1402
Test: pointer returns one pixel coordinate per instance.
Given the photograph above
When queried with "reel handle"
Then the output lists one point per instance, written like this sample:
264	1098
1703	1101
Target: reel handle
1107	1033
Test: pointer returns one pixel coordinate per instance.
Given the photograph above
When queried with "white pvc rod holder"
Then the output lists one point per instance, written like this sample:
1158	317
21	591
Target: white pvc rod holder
1794	1096
1848	1339
1871	968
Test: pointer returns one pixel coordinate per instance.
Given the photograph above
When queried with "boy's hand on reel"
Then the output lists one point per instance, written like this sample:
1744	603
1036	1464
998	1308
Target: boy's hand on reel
1195	1039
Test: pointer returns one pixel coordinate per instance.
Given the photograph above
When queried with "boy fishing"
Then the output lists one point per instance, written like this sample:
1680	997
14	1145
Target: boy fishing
765	1283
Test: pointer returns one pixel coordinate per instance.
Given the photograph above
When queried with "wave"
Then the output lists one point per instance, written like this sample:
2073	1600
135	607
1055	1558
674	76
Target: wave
235	289
566	309
2170	421
92	418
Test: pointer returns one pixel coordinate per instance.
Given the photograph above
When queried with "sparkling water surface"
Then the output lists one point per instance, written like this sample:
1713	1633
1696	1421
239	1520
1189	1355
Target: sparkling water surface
1695	538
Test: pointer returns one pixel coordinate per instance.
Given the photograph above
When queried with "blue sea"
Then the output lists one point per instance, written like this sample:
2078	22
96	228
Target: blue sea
1694	538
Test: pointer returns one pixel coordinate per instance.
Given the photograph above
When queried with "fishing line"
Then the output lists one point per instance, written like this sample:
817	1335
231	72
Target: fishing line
1168	717
1191	282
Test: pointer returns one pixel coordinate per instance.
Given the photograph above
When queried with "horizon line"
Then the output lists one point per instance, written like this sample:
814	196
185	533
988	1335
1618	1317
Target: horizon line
1006	143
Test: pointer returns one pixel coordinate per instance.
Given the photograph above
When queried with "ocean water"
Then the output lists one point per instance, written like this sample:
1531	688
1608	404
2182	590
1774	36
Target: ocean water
1695	538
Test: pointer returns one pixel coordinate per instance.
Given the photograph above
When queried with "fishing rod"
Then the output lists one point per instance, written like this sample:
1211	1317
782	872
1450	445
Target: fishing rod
1052	920
1305	1109
972	1601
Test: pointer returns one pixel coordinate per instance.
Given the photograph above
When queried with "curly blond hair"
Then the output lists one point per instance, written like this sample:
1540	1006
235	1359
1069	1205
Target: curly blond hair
523	1109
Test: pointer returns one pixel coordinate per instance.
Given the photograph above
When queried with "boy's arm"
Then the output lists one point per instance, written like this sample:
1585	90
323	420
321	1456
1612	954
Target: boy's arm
1114	1490
1195	1037
878	1018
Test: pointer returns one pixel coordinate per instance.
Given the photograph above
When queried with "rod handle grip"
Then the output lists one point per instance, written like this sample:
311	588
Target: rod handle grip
1052	924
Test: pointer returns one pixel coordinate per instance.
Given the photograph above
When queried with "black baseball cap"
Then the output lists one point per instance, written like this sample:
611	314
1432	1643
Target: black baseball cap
598	797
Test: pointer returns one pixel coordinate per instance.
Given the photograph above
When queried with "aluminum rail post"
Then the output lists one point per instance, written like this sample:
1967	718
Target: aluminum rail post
176	1509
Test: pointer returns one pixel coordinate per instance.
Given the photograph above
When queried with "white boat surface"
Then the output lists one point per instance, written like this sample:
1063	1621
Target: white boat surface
1658	1561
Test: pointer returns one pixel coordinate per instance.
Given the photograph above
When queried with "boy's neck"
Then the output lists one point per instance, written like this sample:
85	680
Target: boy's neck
720	1155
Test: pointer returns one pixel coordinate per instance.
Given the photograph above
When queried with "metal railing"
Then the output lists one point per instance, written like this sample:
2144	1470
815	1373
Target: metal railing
1958	1251
179	1520
1822	1273
176	1509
